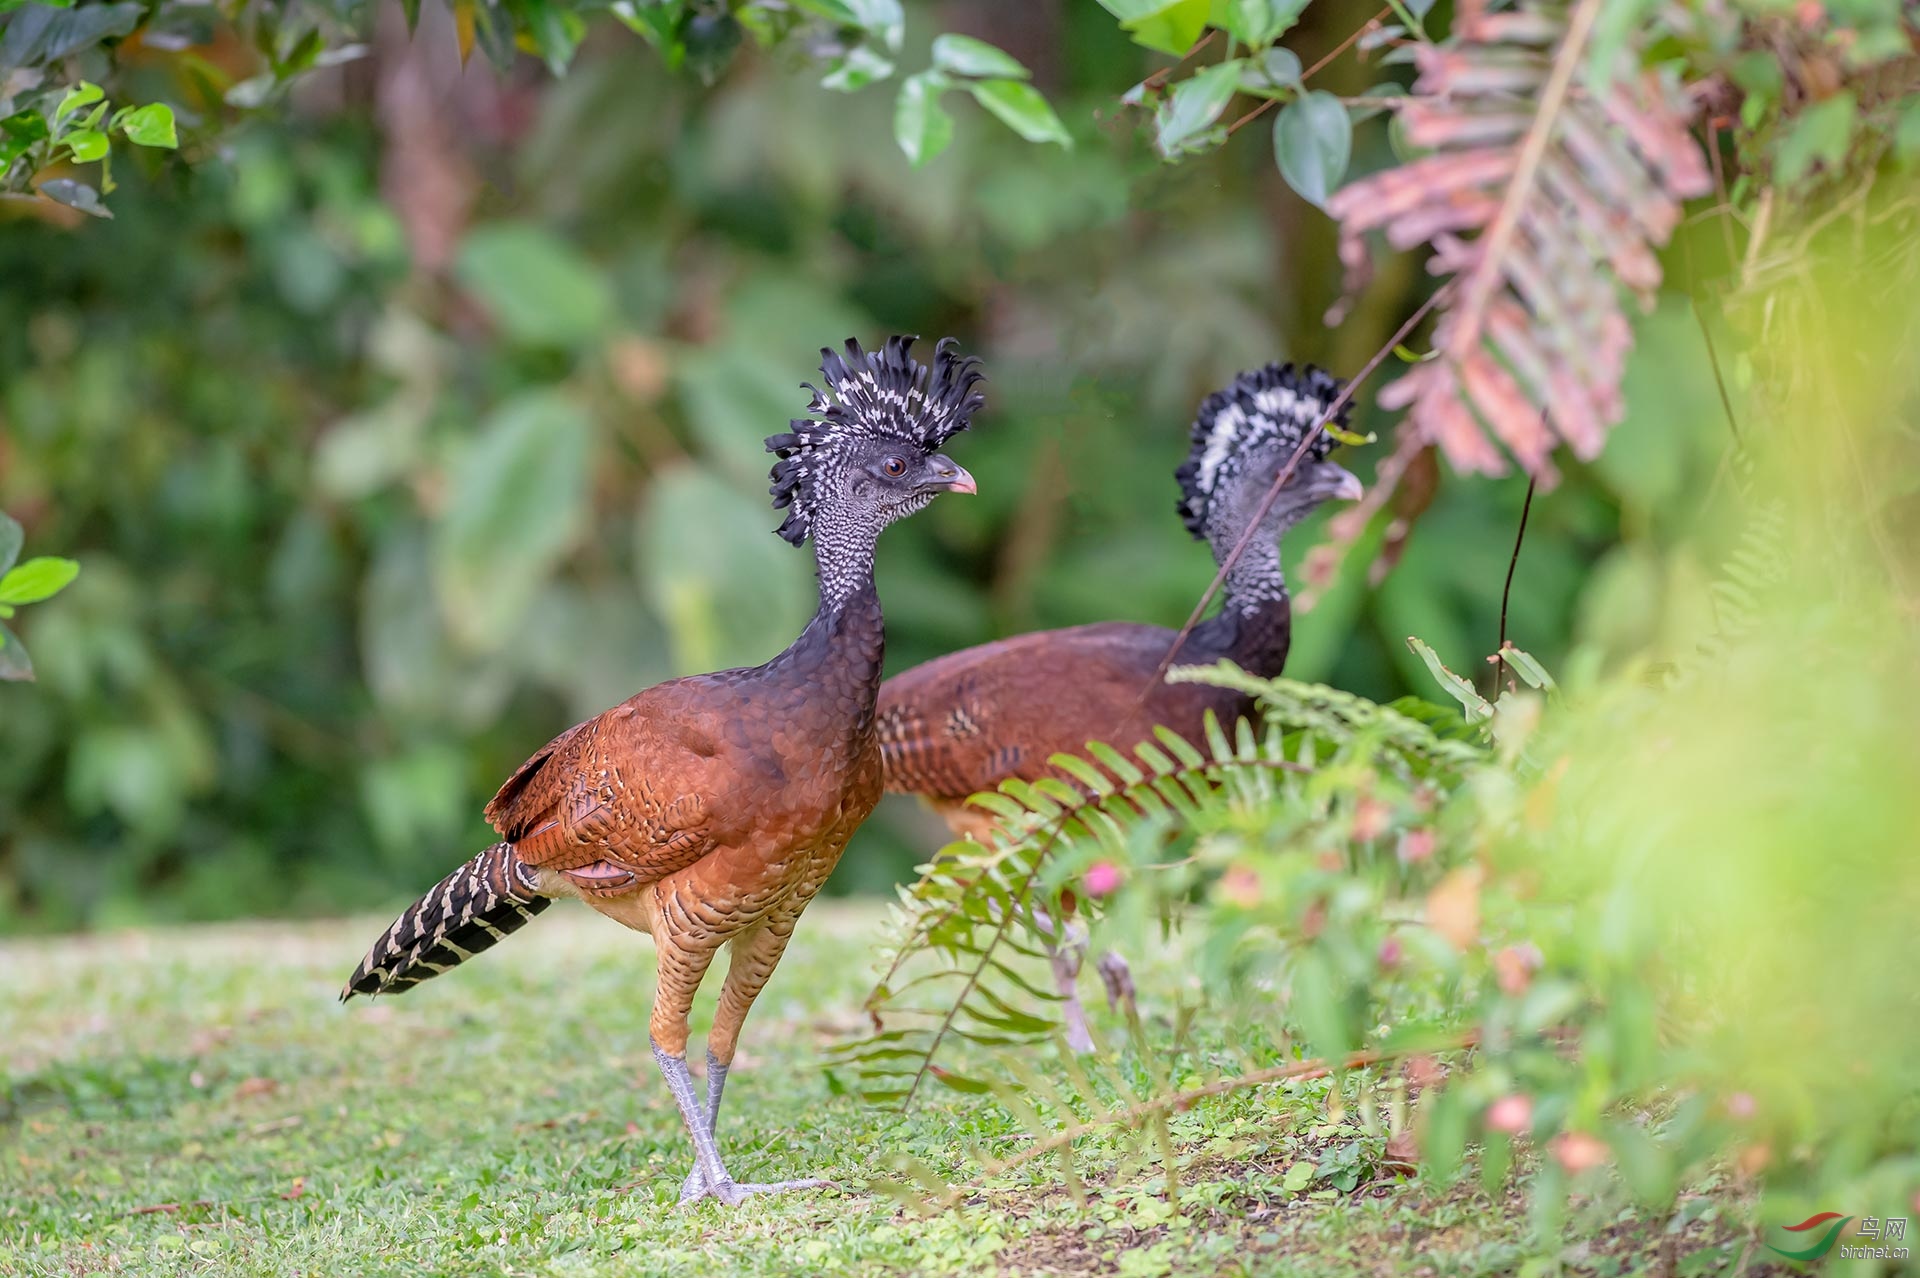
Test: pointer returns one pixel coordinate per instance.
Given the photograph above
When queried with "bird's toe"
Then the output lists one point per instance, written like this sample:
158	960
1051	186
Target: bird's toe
783	1186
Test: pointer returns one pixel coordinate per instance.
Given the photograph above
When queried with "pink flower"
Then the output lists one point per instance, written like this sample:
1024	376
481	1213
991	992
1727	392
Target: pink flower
1579	1151
1742	1106
1241	885
1515	965
1511	1114
1391	952
1416	845
1101	878
1370	819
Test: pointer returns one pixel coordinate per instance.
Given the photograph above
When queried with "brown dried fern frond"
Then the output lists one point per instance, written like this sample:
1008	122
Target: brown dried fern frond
1546	191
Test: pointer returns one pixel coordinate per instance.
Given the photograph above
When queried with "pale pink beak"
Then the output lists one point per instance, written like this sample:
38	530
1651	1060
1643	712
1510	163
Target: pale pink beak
950	476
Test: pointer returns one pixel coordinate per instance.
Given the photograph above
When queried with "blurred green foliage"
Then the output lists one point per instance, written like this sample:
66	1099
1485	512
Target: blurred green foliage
398	437
1663	901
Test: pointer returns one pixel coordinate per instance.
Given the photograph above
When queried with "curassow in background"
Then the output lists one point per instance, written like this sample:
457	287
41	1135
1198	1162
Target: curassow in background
710	809
967	721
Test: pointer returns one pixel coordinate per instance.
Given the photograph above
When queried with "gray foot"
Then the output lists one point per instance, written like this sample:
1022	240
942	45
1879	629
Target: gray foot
733	1193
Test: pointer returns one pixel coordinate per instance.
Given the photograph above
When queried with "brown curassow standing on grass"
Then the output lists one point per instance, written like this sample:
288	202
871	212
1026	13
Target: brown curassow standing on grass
708	810
965	722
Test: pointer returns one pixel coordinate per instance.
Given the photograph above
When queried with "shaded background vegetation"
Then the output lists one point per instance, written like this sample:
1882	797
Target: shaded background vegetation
425	419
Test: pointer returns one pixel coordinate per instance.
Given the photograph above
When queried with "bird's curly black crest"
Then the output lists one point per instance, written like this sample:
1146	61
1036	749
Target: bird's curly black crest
1276	404
880	394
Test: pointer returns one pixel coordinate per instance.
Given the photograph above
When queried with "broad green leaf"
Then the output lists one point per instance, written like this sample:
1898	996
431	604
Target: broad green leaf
18	132
87	145
75	195
1312	142
1021	108
83	94
515	505
1275	71
1258	23
37	579
727	590
1299	1176
921	125
1821	134
12	537
15	665
539	290
859	68
38	34
1195	103
964	55
1158	24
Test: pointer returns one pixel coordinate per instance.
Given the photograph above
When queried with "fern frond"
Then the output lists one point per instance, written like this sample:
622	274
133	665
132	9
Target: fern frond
970	932
1548	179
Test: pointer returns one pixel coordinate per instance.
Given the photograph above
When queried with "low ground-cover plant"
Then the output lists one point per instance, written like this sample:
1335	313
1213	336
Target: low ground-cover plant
1630	930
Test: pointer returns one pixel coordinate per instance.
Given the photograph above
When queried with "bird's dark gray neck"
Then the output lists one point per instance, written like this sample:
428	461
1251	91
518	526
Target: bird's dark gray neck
843	646
843	549
1254	627
1255	640
1255	581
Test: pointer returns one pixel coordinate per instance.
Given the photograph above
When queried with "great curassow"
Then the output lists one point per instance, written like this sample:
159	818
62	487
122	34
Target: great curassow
965	722
708	810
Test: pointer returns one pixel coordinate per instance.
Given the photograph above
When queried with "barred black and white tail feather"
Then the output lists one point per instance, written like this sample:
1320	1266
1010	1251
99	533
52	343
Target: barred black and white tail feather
466	912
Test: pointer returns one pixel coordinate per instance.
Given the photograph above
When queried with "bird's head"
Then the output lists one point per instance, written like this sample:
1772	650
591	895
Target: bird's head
1244	435
870	449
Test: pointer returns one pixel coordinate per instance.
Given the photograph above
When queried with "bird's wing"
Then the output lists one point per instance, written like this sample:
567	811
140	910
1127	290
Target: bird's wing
631	788
967	721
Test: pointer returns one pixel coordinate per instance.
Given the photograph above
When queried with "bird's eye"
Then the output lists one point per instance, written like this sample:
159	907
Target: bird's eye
894	467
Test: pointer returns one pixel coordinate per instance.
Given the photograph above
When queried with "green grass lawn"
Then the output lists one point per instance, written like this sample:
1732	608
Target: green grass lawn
197	1102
